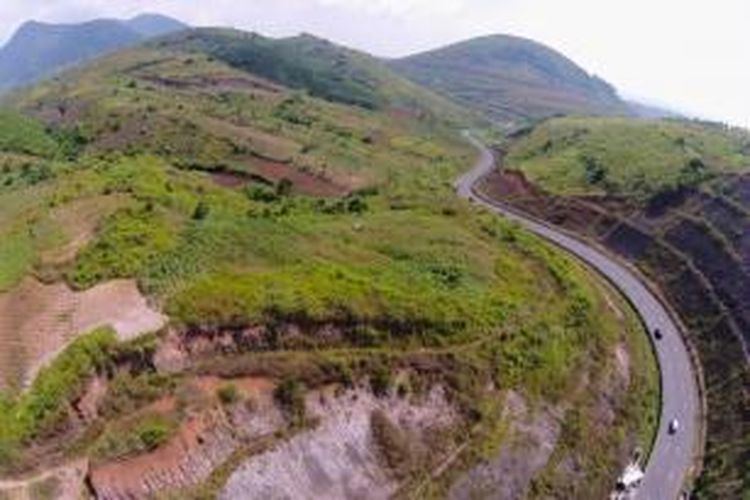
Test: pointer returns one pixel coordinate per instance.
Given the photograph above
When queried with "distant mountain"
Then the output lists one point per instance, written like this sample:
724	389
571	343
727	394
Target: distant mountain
153	25
649	111
511	79
38	50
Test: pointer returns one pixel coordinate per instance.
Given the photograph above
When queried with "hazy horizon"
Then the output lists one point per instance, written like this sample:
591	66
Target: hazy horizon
687	58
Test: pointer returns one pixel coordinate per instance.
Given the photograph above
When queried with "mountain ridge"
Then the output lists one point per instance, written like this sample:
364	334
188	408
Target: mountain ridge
38	49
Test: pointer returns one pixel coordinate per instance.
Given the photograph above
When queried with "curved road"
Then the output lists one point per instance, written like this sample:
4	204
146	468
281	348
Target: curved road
673	456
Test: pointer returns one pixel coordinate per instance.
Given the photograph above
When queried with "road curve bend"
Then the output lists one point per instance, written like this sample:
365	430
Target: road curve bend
673	456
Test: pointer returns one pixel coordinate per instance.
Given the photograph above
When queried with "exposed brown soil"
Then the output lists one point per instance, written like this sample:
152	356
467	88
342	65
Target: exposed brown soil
37	321
65	483
268	171
303	182
230	179
215	83
203	442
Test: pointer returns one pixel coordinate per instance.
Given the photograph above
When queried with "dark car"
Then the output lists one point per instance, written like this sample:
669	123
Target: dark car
657	334
674	426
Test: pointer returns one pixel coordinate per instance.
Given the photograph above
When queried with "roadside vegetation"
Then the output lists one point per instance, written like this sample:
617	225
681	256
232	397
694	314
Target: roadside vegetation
627	157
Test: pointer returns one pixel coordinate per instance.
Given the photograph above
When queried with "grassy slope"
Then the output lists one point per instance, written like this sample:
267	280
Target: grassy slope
323	69
626	156
482	307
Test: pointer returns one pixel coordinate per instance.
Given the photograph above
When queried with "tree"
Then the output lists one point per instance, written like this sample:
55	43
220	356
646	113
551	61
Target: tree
595	173
284	187
201	210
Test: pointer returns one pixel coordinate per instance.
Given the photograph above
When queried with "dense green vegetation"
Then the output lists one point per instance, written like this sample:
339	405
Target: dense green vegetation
627	157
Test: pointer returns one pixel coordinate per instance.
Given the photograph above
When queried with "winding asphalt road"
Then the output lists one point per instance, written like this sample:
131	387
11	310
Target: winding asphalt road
673	456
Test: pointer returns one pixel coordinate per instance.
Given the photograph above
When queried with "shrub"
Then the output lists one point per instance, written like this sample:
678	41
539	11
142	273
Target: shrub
595	173
228	394
290	396
381	380
393	446
284	187
201	210
128	392
262	194
140	434
153	435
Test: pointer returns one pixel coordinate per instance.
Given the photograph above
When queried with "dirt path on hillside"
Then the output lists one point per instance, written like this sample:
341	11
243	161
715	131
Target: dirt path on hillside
37	321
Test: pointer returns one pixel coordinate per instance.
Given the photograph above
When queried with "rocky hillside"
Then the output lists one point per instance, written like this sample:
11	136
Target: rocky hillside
511	79
673	197
38	50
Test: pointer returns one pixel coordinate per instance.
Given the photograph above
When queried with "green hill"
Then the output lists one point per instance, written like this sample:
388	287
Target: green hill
511	79
317	66
296	222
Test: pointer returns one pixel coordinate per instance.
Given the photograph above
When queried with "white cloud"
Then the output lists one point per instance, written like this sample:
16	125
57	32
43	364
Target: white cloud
690	53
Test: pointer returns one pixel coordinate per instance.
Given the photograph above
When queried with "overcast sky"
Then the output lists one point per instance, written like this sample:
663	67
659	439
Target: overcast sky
693	55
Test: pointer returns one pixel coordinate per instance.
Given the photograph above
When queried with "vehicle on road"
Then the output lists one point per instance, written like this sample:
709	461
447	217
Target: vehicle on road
674	426
657	334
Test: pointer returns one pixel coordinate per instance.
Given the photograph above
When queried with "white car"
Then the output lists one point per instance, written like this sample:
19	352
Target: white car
674	426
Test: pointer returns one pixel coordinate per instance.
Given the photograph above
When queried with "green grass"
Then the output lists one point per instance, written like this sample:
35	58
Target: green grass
16	254
21	134
126	242
627	156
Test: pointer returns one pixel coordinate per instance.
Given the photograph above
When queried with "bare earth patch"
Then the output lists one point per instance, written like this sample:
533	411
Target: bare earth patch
303	182
204	441
78	221
37	321
65	482
337	459
533	436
